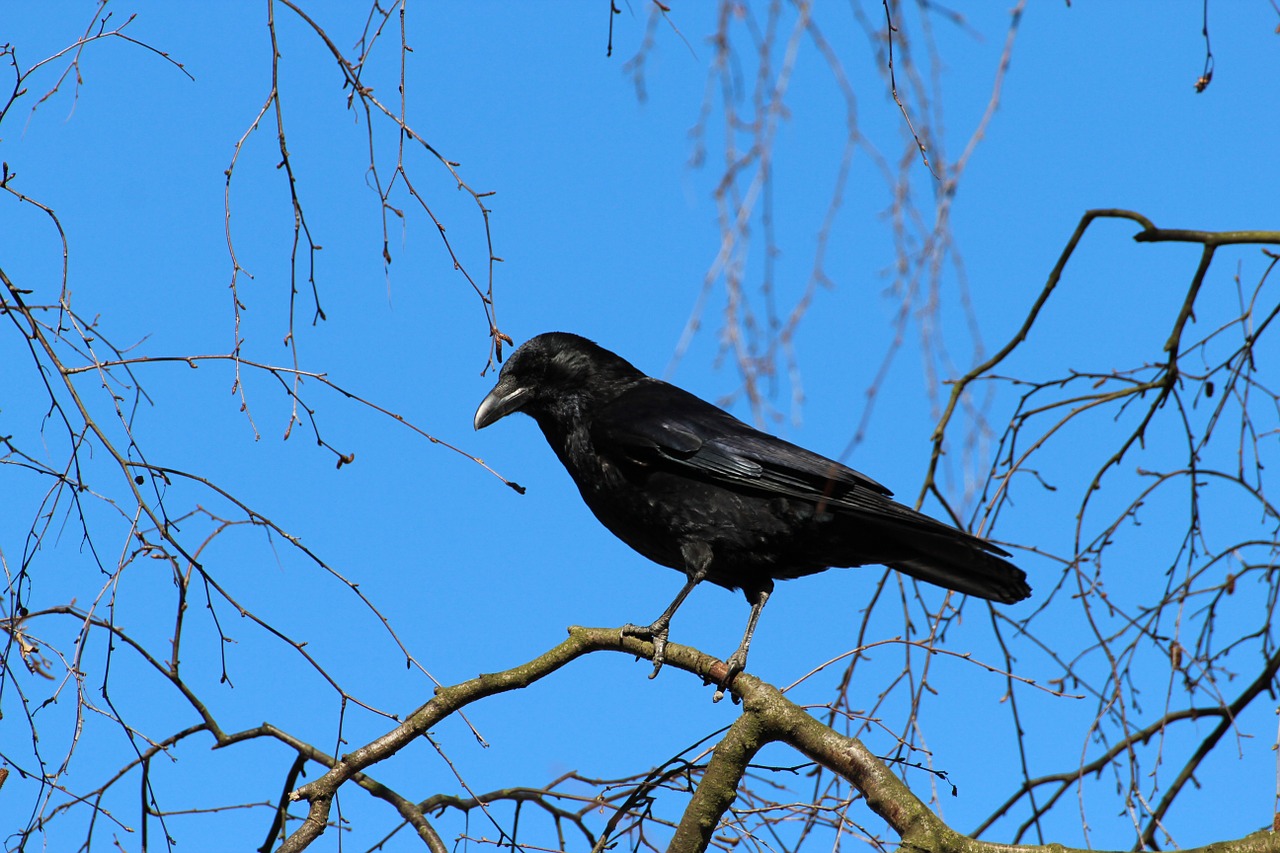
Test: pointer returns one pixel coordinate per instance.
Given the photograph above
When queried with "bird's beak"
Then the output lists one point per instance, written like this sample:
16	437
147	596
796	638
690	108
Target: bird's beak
504	399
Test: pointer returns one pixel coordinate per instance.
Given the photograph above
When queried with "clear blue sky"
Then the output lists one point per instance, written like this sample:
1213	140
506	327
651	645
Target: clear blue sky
605	229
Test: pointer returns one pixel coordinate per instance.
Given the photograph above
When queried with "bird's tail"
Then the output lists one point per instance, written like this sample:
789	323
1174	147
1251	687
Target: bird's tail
964	563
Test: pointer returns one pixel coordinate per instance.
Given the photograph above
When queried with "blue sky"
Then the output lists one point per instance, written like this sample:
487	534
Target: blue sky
606	229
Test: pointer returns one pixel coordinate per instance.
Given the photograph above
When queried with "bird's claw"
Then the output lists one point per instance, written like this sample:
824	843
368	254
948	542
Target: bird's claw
734	665
659	654
656	634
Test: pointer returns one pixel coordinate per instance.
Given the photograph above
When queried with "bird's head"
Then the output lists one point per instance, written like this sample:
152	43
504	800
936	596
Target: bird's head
555	375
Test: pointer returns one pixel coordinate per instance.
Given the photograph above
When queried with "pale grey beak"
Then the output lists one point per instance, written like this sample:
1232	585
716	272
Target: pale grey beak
501	401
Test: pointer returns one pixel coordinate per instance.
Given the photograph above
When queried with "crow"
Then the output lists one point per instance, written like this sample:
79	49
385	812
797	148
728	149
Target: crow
693	488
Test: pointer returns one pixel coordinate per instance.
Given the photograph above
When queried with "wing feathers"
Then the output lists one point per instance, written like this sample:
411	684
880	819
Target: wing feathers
655	421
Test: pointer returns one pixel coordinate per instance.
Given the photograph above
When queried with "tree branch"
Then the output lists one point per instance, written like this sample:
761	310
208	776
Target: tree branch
767	716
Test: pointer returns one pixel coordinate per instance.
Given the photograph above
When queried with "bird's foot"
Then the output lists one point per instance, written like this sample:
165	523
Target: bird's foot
736	663
656	634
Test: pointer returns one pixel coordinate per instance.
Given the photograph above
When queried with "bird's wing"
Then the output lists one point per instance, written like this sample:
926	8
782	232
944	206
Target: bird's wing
659	426
657	423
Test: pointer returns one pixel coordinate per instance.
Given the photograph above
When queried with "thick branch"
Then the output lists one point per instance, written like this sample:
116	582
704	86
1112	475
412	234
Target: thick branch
767	716
719	786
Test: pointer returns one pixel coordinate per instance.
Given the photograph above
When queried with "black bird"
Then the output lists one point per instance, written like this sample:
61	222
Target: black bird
691	487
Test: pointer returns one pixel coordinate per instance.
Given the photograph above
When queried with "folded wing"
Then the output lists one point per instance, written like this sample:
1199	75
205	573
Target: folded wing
659	425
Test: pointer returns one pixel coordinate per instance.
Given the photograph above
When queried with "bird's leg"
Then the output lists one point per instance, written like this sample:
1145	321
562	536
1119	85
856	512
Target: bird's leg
738	660
697	559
